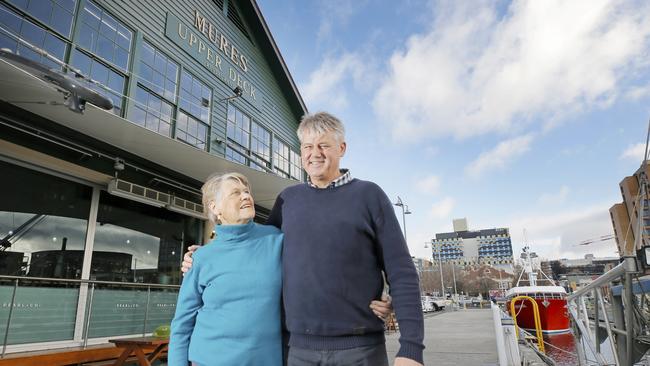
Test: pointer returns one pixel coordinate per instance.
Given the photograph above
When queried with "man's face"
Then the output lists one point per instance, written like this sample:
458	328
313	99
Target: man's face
321	154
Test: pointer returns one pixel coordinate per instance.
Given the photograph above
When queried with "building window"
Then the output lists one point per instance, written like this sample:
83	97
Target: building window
249	143
158	72
33	34
43	225
57	14
195	97
260	146
281	158
135	242
191	130
296	165
238	127
236	156
152	112
104	36
112	81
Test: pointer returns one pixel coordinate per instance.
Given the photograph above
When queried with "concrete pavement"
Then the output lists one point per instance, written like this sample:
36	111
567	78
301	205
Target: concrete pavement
458	338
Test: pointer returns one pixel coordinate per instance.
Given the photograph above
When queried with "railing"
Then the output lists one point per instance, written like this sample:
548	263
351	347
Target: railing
621	335
506	339
114	308
538	323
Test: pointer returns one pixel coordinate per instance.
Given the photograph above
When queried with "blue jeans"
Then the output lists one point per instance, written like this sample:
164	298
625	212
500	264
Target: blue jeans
374	355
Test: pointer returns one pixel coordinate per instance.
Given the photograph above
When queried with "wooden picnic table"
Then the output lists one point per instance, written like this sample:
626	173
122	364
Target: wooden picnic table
137	345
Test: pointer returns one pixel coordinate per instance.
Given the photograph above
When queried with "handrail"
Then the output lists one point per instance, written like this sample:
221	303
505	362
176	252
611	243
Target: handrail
623	354
69	280
603	280
538	322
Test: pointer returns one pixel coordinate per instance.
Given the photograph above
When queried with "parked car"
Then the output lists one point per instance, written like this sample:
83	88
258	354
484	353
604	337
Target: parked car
430	303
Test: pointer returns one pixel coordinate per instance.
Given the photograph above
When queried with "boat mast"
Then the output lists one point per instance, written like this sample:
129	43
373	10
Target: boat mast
528	267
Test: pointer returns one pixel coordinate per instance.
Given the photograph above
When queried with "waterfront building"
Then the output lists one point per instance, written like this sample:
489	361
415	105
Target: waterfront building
465	247
625	215
88	194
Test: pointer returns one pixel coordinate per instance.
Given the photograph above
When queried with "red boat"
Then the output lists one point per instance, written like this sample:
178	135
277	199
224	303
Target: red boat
551	301
552	305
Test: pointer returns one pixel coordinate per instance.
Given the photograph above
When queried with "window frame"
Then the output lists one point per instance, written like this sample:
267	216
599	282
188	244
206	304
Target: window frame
180	98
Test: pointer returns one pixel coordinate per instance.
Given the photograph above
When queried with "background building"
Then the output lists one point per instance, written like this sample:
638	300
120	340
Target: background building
470	247
625	215
197	87
575	273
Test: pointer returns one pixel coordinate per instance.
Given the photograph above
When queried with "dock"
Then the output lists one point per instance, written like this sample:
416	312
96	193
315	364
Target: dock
463	337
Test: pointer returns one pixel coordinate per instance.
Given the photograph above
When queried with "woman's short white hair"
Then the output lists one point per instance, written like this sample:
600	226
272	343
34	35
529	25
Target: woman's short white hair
212	191
320	123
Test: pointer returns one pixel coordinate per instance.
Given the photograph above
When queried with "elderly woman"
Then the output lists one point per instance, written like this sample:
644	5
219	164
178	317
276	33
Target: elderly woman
228	310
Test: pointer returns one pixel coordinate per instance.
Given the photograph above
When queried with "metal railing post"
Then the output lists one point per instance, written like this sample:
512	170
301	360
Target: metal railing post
586	334
629	319
628	303
90	310
146	311
596	319
498	329
608	327
585	316
11	310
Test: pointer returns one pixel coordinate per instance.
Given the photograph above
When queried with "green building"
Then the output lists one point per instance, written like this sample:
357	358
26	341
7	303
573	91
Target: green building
98	206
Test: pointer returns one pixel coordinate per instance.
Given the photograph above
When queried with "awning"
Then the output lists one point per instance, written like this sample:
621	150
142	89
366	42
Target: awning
27	91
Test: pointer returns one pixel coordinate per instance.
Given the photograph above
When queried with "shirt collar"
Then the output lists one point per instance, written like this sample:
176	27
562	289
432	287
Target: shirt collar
345	178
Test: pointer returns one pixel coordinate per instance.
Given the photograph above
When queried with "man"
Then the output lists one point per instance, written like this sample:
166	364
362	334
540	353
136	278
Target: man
340	233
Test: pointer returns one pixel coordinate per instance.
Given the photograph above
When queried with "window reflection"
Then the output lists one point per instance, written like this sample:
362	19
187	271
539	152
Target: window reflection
135	242
43	222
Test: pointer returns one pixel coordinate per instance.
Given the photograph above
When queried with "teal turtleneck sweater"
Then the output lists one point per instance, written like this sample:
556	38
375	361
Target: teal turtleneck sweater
228	310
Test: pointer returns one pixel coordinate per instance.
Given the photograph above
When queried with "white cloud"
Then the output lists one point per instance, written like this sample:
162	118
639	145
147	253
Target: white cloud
326	87
478	71
336	14
497	158
442	209
638	92
555	198
429	185
558	234
634	152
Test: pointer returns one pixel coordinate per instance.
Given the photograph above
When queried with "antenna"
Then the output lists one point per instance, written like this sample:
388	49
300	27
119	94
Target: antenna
647	140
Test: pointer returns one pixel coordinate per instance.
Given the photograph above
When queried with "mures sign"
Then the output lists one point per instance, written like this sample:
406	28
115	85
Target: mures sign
208	45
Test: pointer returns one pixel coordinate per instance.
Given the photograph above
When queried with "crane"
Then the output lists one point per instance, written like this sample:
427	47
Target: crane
597	239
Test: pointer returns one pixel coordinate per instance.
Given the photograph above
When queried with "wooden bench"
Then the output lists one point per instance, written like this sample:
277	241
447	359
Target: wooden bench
391	323
138	346
62	357
97	355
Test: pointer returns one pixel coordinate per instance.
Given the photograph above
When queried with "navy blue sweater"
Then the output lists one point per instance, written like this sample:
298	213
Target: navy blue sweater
337	241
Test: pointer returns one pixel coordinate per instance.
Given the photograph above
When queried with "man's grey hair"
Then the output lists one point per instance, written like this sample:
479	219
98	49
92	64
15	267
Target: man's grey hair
212	191
320	123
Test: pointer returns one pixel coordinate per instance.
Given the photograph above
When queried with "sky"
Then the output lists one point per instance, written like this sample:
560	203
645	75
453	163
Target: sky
517	114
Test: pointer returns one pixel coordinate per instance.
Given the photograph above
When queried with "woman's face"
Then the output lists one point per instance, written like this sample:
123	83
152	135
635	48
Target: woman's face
236	205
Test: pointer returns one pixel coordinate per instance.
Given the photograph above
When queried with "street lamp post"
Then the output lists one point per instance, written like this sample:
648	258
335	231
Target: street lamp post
442	280
453	273
405	211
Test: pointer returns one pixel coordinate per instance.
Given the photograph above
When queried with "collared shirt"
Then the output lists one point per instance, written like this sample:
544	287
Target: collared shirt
345	178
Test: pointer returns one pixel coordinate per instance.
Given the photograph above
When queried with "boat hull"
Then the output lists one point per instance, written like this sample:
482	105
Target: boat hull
553	314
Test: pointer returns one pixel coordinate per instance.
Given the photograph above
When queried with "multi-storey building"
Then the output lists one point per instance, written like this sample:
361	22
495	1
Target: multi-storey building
634	210
467	247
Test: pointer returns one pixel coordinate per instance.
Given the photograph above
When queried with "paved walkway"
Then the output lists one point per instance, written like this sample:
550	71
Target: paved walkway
458	338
